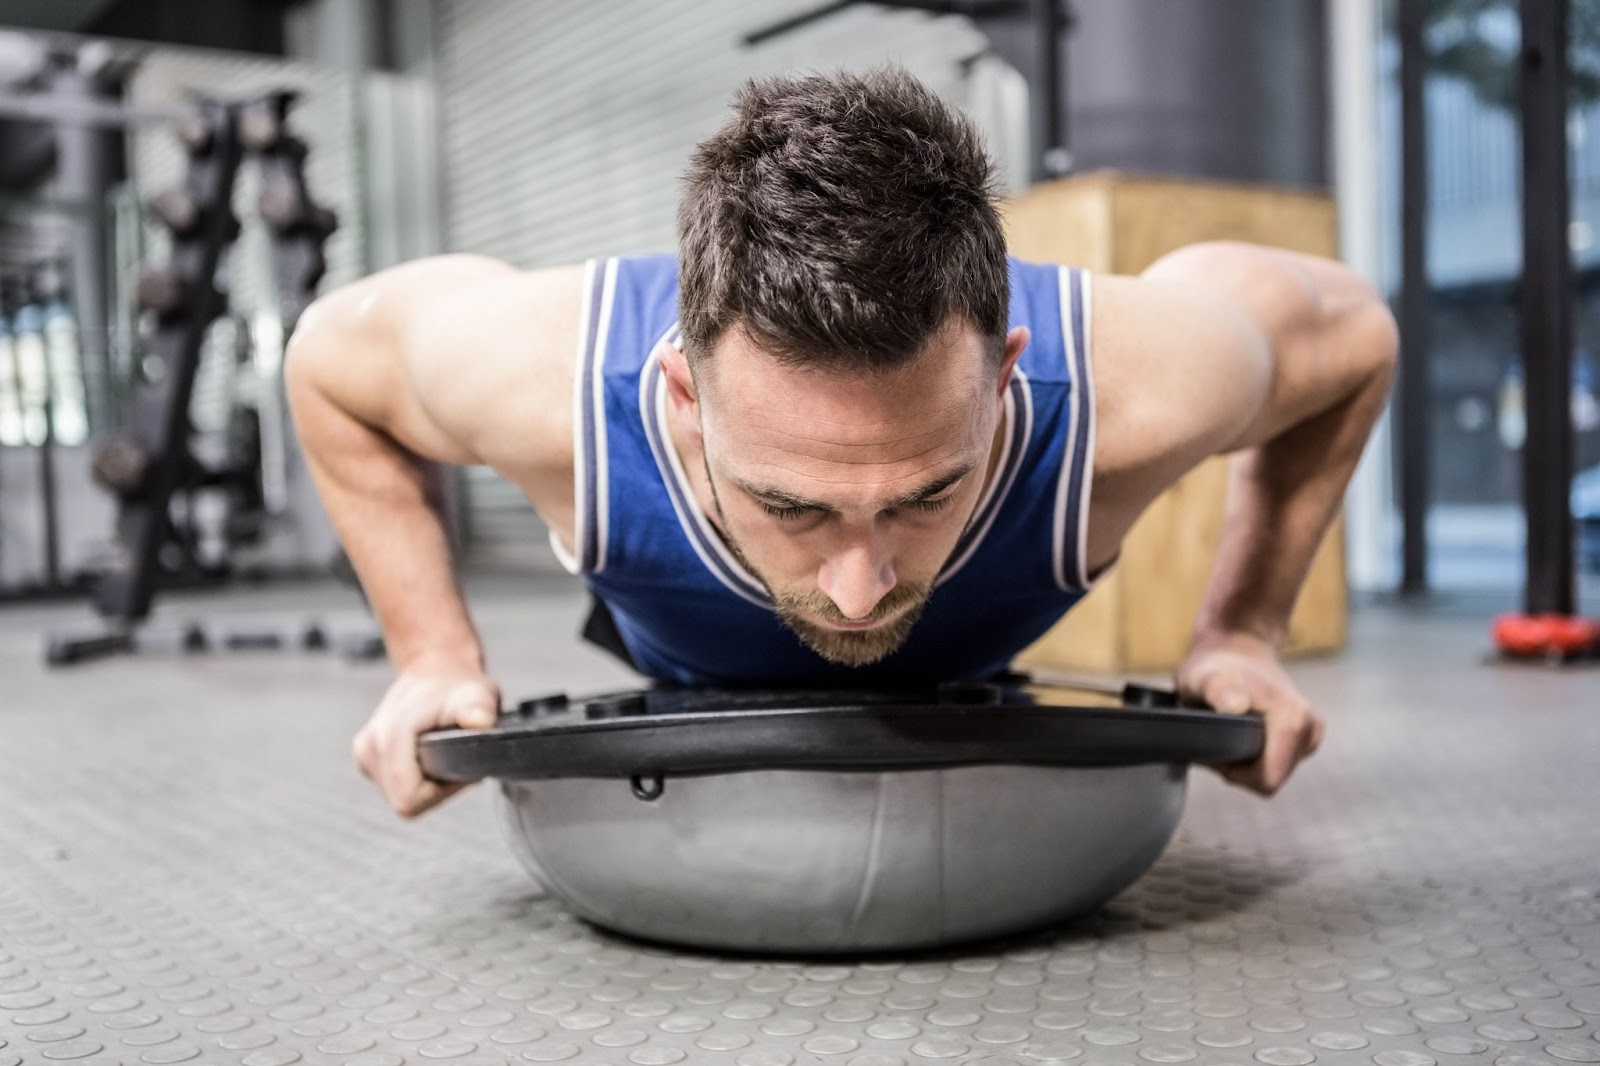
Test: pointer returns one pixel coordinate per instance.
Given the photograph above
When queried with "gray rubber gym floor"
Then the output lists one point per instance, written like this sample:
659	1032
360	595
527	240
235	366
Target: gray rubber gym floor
190	870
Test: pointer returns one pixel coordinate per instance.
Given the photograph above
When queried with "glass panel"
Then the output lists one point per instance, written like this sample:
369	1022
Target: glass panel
1477	420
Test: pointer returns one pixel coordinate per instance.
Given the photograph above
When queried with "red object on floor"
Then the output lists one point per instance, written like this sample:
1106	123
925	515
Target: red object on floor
1527	636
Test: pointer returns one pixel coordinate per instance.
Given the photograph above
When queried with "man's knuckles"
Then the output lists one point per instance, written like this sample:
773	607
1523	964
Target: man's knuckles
364	750
424	797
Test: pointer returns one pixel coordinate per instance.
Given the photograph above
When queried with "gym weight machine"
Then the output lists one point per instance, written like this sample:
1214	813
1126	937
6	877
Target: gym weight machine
151	465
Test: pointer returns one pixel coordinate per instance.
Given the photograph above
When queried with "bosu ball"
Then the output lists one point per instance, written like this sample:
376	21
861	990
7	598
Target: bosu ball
812	822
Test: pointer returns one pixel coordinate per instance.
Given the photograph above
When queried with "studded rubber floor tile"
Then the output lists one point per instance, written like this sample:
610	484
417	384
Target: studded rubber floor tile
190	871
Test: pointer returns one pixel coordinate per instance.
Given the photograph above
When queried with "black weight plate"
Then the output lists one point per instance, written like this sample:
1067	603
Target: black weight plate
679	732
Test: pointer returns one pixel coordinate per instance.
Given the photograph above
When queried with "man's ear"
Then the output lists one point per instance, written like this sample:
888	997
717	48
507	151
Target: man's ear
1016	342
681	391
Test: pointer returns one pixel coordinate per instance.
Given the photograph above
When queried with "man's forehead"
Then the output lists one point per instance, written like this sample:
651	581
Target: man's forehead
956	346
946	379
832	420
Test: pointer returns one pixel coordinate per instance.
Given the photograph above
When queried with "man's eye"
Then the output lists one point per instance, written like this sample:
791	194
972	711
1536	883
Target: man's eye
787	513
792	513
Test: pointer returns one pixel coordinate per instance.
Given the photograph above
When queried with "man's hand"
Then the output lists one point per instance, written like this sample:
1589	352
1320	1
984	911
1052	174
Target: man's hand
1237	673
422	698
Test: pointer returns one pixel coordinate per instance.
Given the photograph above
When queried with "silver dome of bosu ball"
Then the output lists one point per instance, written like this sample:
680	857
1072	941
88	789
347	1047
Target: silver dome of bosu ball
809	822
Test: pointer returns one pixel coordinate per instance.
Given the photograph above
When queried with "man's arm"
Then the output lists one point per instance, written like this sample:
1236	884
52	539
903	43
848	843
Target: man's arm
450	360
1331	346
1283	360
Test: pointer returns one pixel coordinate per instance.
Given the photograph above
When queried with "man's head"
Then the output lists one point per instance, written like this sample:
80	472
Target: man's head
844	303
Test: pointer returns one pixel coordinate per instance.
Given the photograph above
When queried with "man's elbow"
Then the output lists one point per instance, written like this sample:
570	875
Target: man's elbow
1377	339
302	355
335	333
328	362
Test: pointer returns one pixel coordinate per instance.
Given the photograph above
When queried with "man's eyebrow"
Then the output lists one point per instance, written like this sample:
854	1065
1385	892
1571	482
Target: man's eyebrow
933	488
779	498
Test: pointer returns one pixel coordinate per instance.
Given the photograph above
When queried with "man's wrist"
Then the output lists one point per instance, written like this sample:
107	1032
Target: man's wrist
1211	632
434	657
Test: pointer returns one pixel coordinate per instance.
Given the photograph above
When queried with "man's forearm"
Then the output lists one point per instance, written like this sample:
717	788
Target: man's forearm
1283	495
387	505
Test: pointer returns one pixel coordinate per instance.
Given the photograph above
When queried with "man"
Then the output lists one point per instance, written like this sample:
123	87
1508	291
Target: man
840	437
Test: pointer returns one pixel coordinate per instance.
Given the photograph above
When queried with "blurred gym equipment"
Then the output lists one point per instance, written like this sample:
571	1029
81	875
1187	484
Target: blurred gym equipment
151	464
1547	629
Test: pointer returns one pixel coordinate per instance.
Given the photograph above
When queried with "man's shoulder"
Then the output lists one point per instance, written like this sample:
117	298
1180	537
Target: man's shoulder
1174	368
491	358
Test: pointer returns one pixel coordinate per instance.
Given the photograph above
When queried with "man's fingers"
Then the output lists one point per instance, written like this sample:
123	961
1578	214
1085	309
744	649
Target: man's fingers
386	748
470	706
1240	677
400	773
1220	693
429	794
361	750
1292	735
1265	775
407	791
1315	741
1230	701
1282	748
1246	775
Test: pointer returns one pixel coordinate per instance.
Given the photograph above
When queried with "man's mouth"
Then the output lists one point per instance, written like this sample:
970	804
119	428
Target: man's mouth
856	627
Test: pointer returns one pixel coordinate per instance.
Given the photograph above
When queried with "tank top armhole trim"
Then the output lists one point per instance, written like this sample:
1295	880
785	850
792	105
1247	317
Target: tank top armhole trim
1069	538
1086	494
568	561
697	530
591	482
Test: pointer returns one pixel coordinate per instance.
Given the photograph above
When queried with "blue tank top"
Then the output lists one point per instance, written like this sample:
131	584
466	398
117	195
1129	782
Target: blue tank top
688	611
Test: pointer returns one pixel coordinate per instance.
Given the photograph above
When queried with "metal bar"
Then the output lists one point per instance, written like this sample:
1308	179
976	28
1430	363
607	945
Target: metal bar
41	108
1415	292
970	8
1546	310
52	205
1046	113
1062	21
48	502
795	22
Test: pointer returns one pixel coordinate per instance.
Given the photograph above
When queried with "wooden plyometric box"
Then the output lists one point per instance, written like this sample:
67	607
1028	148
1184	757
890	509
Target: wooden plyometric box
1139	617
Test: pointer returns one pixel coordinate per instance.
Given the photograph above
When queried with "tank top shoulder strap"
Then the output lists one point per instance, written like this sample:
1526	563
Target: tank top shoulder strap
1054	302
1075	481
629	305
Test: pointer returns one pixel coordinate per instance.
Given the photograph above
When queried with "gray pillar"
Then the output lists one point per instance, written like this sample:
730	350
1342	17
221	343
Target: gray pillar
339	34
1225	89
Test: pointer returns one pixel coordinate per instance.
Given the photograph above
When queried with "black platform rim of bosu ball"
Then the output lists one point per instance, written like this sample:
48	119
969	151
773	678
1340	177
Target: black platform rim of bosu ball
672	732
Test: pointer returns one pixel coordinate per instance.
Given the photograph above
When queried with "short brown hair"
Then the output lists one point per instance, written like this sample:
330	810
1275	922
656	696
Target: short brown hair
840	220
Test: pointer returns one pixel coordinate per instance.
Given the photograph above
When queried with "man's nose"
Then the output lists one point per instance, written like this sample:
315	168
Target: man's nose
858	575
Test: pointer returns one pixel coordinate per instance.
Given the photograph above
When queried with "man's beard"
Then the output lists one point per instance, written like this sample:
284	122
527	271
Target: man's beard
845	647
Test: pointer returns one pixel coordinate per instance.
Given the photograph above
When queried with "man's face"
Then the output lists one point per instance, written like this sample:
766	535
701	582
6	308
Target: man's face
845	492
